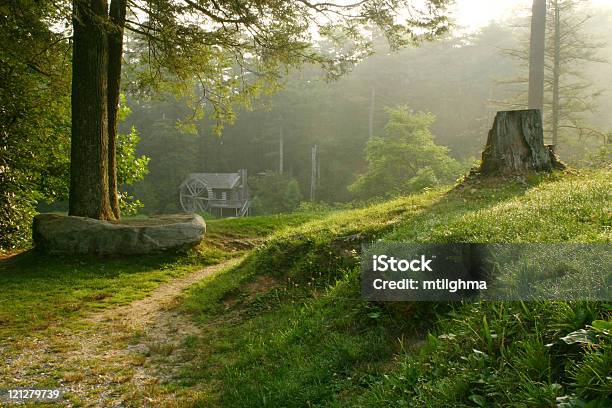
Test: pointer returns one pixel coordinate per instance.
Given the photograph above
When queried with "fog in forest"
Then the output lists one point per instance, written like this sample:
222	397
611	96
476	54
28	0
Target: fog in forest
449	89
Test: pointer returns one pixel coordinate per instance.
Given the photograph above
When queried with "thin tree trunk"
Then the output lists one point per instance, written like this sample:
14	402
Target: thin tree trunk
556	78
115	54
89	145
281	149
536	55
313	173
371	116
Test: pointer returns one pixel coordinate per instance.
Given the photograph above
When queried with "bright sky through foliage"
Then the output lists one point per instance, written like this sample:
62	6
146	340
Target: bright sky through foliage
473	14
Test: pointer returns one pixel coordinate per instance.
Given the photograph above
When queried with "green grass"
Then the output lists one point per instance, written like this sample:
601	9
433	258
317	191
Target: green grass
288	326
502	354
44	292
259	226
50	290
574	208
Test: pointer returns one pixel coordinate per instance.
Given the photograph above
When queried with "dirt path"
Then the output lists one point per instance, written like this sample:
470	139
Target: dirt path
122	356
141	312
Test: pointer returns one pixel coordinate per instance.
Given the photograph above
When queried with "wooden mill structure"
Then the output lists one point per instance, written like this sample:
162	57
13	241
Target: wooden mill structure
221	194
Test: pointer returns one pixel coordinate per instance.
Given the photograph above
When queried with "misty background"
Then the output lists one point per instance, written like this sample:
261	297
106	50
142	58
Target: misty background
462	80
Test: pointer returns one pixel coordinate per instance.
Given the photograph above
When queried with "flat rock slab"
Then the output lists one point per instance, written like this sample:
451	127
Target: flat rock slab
63	234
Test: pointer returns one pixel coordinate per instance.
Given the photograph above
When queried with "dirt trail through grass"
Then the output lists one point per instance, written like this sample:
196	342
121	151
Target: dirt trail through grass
121	356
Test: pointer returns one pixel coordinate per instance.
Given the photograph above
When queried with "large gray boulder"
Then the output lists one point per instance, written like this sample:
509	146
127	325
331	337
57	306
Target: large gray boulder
62	234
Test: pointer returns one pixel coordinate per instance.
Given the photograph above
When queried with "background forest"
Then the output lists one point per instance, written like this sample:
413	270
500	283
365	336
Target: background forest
350	118
483	69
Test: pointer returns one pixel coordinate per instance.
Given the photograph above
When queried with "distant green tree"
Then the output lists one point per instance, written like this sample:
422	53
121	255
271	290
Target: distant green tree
405	159
274	193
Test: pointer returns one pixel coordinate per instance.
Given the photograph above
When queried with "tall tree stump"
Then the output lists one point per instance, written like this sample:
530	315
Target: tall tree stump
516	145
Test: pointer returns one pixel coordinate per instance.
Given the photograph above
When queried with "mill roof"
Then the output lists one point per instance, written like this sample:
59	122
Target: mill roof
219	180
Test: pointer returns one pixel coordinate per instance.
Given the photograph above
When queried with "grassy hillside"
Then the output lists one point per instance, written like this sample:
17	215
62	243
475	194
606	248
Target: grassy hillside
287	327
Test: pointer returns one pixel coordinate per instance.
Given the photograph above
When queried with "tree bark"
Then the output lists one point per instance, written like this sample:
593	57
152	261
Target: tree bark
281	149
537	51
115	54
556	77
371	116
516	145
89	195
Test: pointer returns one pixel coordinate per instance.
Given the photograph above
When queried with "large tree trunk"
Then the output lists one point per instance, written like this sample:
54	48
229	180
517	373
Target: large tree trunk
516	145
89	147
537	51
115	53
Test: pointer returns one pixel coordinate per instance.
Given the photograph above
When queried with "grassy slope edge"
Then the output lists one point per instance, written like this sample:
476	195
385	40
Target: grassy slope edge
288	327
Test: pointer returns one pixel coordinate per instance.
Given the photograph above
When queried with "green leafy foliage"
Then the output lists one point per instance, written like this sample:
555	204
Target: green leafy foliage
34	116
274	193
405	159
130	167
173	153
